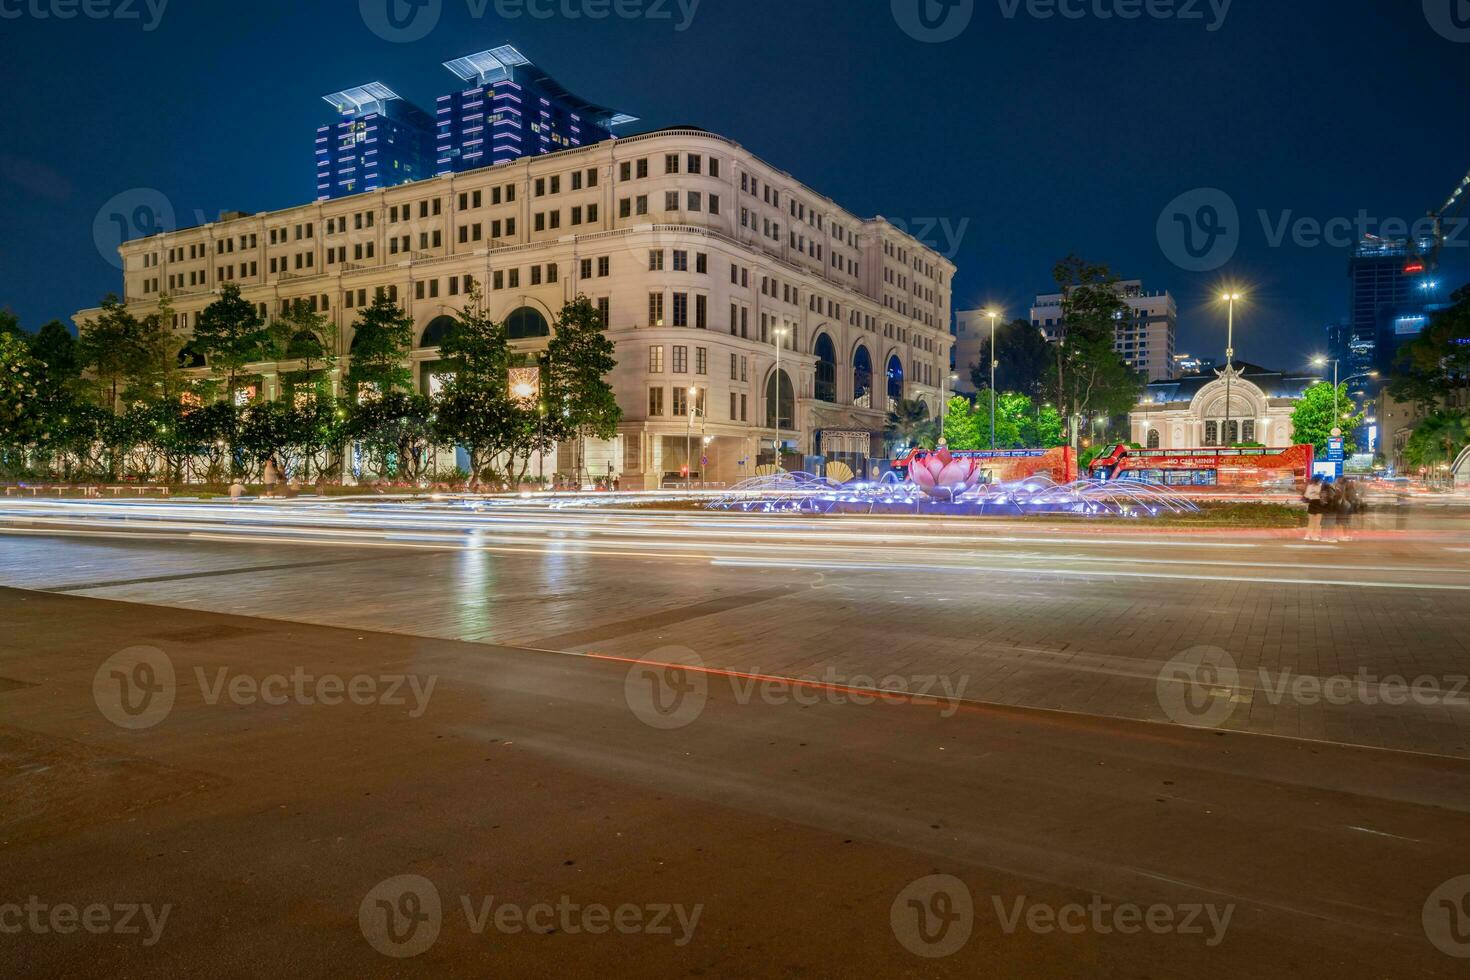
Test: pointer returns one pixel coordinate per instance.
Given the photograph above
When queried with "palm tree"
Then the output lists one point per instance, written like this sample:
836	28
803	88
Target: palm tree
1440	438
909	424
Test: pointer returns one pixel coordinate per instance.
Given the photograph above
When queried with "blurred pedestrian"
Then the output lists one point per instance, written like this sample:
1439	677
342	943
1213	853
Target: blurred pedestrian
1315	509
270	476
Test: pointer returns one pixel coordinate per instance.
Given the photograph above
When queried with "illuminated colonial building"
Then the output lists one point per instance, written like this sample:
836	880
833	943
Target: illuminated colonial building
701	256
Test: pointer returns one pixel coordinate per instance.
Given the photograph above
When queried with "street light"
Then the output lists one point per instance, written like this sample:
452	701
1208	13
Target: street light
689	439
992	314
1229	298
1321	361
778	334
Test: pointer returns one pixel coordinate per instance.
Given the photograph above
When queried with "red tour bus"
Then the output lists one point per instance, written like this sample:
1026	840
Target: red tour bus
1008	465
1235	468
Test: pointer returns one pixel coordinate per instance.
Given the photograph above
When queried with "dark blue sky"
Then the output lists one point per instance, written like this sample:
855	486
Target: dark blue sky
1033	137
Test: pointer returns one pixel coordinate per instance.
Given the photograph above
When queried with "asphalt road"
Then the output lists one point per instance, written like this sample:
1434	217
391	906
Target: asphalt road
756	810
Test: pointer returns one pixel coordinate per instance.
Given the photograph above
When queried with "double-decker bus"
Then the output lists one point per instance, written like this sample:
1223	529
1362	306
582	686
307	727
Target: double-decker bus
1006	465
1243	468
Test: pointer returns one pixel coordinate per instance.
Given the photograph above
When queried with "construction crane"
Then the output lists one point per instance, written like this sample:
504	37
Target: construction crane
1449	209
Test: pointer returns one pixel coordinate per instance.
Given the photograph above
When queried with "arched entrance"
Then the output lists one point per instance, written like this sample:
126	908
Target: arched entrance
862	377
826	382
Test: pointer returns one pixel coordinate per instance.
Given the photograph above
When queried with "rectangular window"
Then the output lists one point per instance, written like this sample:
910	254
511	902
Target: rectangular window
681	309
681	359
656	260
681	402
701	360
656	359
603	264
671	163
701	312
671	200
655	401
655	309
681	260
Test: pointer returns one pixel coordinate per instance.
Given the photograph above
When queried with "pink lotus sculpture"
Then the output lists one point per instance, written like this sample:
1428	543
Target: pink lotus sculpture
942	476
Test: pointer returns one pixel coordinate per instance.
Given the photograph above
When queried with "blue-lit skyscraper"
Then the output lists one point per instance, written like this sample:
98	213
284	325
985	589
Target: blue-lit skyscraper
512	109
380	141
1391	293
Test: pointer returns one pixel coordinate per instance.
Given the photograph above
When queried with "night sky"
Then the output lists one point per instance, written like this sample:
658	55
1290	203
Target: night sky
1023	138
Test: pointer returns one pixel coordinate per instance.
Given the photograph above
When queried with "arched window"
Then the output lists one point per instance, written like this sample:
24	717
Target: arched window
862	378
439	330
895	378
1153	439
826	390
525	323
787	415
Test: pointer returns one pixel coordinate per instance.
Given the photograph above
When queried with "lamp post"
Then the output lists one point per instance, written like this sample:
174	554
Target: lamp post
992	314
689	438
1321	361
778	334
1229	298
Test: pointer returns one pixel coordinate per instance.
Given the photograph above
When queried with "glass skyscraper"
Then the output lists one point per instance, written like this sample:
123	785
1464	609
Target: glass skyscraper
380	141
512	109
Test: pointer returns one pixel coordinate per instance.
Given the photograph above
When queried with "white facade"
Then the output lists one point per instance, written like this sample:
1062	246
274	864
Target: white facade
1145	341
698	252
1193	415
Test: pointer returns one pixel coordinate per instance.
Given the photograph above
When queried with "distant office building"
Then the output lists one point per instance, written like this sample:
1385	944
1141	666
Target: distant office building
512	109
1187	364
1389	289
381	141
1144	340
971	336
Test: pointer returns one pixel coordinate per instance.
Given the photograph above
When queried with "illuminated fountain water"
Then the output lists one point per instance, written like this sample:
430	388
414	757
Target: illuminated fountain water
949	492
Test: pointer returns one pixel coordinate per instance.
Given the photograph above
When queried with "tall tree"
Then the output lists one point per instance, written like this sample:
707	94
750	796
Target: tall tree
1318	413
54	345
381	343
579	359
109	348
1024	358
304	335
1438	439
230	334
21	416
1437	362
960	430
1087	375
475	409
159	376
909	424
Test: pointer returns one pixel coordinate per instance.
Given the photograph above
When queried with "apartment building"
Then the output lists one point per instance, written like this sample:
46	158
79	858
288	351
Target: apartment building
703	258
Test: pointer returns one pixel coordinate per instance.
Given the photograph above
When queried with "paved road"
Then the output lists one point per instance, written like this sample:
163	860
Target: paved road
671	713
1294	639
763	836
